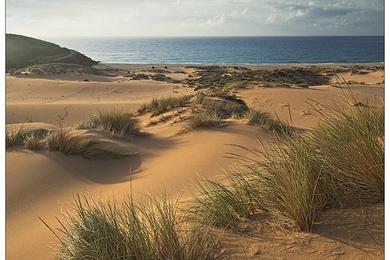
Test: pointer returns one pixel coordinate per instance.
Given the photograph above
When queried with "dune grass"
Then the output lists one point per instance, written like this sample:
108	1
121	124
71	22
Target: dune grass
34	142
341	162
161	105
226	107
20	136
291	181
117	123
131	230
350	146
200	120
281	182
16	137
223	204
70	142
266	121
67	141
290	184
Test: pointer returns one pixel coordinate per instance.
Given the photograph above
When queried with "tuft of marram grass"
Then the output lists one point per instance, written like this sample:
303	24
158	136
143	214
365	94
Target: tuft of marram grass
162	105
290	183
283	182
268	122
16	137
293	180
350	146
226	107
34	142
117	123
223	204
21	135
132	230
70	142
200	120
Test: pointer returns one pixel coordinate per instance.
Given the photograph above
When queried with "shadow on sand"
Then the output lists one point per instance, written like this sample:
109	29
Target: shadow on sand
361	228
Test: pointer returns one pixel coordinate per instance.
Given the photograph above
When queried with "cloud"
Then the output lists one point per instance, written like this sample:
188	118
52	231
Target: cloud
216	20
327	16
194	17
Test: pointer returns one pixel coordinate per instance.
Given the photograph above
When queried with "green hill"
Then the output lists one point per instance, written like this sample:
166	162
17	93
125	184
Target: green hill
22	51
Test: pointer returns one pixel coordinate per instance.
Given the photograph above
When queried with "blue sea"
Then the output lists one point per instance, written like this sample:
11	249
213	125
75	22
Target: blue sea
228	50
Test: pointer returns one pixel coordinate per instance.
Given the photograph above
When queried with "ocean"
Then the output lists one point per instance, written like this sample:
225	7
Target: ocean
228	50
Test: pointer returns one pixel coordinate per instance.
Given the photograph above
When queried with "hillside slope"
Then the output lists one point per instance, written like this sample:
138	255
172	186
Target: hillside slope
22	51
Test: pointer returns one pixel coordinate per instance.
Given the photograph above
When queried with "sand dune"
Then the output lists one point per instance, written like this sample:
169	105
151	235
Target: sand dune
305	104
70	101
44	183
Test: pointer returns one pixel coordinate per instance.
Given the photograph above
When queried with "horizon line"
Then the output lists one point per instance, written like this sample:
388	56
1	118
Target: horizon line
192	36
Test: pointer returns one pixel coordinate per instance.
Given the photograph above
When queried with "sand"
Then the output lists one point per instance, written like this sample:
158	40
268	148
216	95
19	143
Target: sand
42	184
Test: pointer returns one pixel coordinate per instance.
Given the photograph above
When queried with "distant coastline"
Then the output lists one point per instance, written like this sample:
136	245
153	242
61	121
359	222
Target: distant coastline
229	50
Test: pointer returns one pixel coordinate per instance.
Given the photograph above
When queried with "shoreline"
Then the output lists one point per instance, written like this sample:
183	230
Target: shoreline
137	66
246	64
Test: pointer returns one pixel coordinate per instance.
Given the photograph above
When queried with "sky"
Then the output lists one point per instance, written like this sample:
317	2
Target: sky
56	18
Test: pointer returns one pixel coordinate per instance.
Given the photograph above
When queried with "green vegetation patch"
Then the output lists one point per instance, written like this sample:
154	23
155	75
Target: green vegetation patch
225	77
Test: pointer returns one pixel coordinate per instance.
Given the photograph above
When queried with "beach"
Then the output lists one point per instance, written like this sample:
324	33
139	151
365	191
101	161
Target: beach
171	157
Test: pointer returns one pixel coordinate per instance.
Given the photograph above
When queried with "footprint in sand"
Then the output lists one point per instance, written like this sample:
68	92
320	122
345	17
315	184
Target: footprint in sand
307	113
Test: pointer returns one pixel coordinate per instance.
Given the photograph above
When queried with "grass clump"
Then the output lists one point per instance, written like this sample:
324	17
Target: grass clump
70	142
350	146
224	107
223	204
340	161
117	123
132	230
290	184
34	142
268	122
162	105
237	84
282	182
21	136
199	120
16	137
